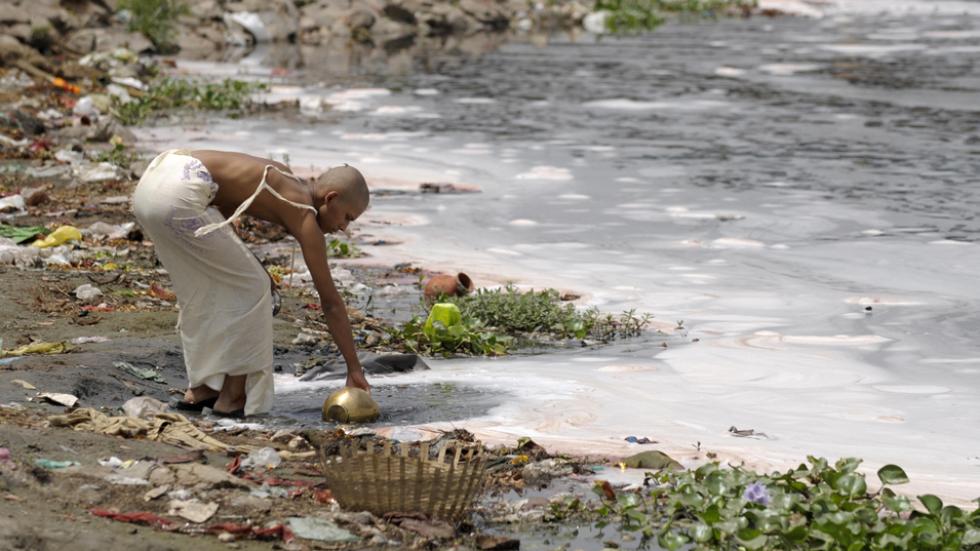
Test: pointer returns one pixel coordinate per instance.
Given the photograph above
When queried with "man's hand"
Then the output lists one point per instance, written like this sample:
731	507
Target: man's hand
356	379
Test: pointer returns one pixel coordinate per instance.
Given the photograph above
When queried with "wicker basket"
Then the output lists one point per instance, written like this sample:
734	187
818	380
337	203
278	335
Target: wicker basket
384	480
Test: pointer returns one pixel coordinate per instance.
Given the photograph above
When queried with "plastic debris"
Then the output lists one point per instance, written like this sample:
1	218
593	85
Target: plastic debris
445	313
109	231
193	510
267	458
150	495
20	234
4	455
36	348
115	463
145	374
746	433
23	383
52	464
85	107
319	529
639	440
139	517
144	407
12	203
67	400
60	236
87	292
101	172
88	340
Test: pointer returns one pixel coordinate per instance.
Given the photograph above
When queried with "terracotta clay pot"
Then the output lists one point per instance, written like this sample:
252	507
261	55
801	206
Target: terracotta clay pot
453	286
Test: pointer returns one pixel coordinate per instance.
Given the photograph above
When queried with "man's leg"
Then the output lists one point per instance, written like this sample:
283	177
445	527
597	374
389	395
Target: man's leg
232	396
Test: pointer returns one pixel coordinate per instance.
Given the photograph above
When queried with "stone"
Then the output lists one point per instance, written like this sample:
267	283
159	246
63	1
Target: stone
400	14
103	39
487	542
250	503
275	21
196	476
12	50
652	459
360	19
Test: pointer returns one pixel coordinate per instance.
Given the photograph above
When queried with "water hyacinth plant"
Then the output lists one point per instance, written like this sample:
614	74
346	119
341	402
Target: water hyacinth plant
814	506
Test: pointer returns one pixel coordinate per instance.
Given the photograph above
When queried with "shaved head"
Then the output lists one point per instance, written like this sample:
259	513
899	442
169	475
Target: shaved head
349	184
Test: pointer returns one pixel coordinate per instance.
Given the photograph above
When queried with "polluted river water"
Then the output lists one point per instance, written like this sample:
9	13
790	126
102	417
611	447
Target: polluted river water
794	199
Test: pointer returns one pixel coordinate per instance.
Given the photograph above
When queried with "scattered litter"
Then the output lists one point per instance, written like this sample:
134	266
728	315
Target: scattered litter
123	480
4	455
89	340
110	231
144	407
61	399
150	495
640	440
52	464
115	463
139	517
145	374
746	433
12	203
37	348
169	428
100	172
541	472
265	458
24	384
20	234
193	510
319	529
305	338
161	293
276	531
60	236
87	292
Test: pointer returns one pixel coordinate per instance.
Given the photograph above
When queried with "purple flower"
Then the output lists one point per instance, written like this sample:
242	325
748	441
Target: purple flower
757	493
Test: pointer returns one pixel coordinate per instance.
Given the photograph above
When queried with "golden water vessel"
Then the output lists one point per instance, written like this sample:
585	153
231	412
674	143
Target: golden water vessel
350	405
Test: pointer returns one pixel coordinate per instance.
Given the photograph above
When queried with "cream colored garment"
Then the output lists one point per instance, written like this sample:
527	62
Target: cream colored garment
225	320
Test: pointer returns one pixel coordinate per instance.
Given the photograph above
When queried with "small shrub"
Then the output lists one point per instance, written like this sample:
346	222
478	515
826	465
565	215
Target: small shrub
170	93
155	19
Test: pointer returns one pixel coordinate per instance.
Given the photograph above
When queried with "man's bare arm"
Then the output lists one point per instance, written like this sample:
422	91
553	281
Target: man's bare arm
311	240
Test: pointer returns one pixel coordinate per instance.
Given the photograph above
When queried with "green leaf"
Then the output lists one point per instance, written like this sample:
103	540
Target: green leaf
932	503
711	515
751	538
701	532
851	485
892	474
672	540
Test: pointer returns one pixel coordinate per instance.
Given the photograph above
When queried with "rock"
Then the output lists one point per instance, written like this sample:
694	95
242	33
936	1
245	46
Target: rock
488	542
428	529
487	13
276	21
400	14
12	50
652	459
107	39
388	29
541	472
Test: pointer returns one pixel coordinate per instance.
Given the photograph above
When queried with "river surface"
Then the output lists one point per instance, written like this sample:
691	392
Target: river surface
802	194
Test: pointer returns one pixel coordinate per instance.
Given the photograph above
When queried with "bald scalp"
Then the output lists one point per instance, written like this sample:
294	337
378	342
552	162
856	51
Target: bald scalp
349	184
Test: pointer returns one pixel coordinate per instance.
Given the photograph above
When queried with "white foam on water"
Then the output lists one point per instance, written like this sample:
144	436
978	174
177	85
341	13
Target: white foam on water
523	222
872	50
730	72
426	92
625	104
475	101
546	173
788	69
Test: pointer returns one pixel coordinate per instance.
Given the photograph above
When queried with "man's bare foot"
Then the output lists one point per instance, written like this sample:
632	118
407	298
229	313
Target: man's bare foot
199	394
232	396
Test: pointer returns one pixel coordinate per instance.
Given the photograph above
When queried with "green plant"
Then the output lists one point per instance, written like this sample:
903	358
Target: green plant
118	155
814	506
170	93
340	249
513	311
469	337
155	19
646	15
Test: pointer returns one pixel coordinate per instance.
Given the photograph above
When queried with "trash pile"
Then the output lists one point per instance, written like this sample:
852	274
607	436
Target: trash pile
236	481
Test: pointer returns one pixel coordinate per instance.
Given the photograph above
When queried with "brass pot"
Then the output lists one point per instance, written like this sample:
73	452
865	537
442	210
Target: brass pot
350	405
